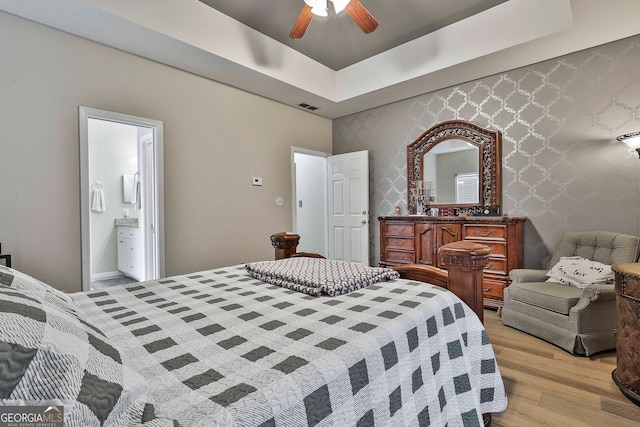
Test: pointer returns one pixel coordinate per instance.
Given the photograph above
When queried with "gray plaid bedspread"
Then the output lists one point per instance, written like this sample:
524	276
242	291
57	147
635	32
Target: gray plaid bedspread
220	348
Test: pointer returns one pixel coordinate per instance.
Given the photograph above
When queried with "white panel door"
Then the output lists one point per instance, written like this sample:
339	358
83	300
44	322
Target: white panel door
348	176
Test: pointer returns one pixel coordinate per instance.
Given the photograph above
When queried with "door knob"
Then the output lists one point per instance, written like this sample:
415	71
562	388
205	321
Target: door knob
364	221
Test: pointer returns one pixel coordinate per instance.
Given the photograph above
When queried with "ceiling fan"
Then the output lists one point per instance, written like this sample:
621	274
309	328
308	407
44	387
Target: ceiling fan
356	11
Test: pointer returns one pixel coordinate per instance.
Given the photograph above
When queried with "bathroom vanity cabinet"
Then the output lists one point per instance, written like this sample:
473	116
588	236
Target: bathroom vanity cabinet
129	248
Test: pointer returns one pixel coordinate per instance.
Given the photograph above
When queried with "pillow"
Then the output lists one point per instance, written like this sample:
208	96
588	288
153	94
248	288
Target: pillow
579	272
14	279
51	356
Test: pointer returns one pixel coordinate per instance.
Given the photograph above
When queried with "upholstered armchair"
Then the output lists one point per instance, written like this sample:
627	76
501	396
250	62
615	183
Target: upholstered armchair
581	321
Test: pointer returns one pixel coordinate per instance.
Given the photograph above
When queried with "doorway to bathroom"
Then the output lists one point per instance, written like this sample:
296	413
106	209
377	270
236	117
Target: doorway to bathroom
121	197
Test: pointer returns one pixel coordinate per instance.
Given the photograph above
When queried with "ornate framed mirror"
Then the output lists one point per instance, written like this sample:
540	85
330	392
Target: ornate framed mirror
455	165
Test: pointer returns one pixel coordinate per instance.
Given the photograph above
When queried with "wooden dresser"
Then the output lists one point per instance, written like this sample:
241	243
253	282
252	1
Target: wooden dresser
416	240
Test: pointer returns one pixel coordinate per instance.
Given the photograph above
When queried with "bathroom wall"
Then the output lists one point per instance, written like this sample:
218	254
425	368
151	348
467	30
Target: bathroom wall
561	165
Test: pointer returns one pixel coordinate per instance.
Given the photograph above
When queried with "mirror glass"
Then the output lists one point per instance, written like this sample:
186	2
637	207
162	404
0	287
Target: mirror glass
452	167
127	187
455	166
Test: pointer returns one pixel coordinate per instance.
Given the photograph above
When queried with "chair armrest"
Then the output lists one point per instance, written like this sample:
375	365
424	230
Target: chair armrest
595	311
522	275
598	293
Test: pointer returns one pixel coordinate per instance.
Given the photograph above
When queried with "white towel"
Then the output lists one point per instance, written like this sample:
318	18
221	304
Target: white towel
134	189
98	203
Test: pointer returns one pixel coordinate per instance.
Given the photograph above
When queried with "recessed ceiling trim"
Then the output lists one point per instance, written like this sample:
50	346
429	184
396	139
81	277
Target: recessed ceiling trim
501	27
515	21
209	32
189	35
180	30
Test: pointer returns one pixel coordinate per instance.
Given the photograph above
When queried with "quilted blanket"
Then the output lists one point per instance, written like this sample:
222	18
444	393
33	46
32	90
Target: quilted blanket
319	276
52	359
220	348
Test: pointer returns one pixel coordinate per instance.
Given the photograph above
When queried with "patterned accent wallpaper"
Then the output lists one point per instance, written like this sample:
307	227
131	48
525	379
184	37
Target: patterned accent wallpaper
561	165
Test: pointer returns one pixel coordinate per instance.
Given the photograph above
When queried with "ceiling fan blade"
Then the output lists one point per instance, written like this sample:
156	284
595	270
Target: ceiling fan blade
361	16
303	21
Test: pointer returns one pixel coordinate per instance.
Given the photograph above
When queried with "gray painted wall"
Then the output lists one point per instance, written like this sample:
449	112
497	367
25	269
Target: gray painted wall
216	138
561	165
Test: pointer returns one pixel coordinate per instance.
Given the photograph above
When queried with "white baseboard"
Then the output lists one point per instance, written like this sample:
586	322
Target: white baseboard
106	275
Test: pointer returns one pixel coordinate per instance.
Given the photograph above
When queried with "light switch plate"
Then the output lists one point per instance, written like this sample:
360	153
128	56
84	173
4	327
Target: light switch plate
256	181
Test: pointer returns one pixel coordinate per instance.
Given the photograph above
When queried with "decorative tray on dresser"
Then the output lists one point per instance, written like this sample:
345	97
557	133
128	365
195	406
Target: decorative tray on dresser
416	239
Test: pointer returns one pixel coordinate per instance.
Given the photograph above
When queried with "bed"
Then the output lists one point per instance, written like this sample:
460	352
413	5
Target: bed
221	348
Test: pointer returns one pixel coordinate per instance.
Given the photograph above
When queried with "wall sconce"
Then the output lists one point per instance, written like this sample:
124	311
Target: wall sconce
632	140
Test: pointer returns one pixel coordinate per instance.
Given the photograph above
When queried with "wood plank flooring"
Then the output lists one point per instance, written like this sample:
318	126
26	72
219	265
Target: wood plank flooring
547	386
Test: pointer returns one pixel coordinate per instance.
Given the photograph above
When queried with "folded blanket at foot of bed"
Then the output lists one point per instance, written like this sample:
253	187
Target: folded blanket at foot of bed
319	276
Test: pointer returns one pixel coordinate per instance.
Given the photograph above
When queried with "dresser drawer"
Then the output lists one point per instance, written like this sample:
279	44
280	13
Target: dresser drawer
493	285
492	288
481	232
400	257
498	249
404	230
497	265
400	243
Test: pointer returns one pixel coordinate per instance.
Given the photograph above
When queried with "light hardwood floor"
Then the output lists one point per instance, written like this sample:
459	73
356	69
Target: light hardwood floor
547	386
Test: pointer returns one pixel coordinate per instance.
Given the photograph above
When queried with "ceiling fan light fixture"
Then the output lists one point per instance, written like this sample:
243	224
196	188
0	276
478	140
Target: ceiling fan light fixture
318	7
339	5
356	11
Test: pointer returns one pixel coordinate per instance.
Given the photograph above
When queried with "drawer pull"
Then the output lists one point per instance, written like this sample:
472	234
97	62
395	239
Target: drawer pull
480	233
401	243
489	266
487	289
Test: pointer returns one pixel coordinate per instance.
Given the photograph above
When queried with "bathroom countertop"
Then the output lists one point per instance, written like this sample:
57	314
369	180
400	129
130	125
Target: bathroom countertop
127	222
